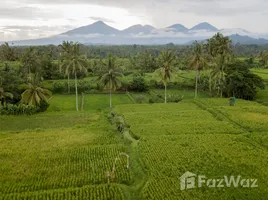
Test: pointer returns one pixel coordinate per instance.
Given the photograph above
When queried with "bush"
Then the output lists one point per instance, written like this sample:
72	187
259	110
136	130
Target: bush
59	87
43	106
175	98
22	109
140	99
62	87
151	101
138	84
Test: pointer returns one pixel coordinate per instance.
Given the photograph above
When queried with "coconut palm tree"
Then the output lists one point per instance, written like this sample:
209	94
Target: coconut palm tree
30	61
8	53
73	64
34	94
197	62
4	96
219	47
166	62
66	51
264	57
109	79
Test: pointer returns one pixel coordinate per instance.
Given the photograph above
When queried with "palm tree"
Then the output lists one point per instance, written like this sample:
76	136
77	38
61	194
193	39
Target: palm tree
73	64
219	47
30	61
109	79
4	96
34	94
264	57
66	51
166	62
8	53
198	62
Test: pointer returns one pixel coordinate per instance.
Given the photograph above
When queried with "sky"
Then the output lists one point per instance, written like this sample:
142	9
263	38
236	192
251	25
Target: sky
28	19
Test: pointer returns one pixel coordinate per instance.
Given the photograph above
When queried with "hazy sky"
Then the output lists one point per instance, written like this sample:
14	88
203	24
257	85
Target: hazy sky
23	19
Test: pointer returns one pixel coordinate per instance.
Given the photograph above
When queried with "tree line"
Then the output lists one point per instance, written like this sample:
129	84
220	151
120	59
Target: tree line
228	76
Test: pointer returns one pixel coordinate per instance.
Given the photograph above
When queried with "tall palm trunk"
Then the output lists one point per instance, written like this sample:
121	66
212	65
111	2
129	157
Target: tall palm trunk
110	97
76	92
210	85
68	82
165	93
196	83
221	82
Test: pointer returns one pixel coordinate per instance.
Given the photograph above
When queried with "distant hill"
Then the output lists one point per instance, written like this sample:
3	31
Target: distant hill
204	26
247	40
101	33
96	28
137	29
178	28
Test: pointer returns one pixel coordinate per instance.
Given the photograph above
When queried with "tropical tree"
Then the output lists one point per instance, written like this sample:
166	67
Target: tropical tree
73	64
30	61
197	62
34	94
66	51
4	96
264	57
7	52
166	61
219	47
109	79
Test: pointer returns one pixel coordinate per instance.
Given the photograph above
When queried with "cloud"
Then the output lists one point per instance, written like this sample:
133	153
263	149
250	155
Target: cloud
102	19
54	15
25	13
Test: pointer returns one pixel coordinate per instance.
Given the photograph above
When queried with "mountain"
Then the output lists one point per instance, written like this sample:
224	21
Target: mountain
204	26
138	29
178	28
247	40
233	31
100	33
95	28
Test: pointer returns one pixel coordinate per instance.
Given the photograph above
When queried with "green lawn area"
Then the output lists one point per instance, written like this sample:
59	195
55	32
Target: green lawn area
188	94
93	102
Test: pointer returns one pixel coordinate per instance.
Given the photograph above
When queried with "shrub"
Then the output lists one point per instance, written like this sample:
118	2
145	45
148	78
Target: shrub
43	106
62	87
175	98
140	99
151	101
59	87
22	109
138	84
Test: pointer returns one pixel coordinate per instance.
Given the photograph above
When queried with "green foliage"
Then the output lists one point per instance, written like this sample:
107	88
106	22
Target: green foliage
10	80
140	99
8	53
174	98
20	109
138	84
34	94
242	83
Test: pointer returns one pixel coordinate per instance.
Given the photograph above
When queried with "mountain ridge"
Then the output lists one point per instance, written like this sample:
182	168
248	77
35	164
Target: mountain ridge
101	33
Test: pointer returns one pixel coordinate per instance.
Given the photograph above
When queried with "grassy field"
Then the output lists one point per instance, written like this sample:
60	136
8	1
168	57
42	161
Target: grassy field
93	102
64	154
206	137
